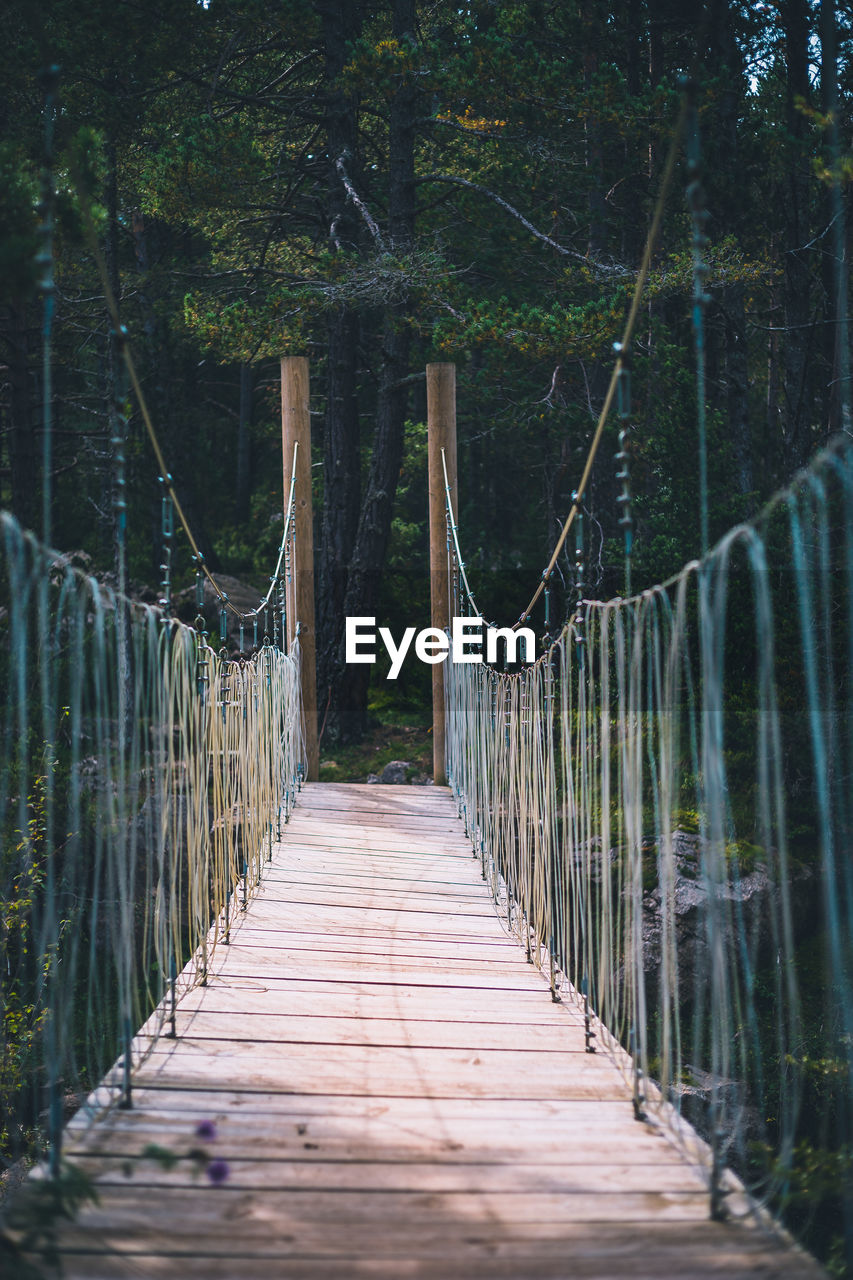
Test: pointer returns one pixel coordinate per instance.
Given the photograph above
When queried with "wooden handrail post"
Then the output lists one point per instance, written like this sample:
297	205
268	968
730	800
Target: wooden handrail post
296	429
441	434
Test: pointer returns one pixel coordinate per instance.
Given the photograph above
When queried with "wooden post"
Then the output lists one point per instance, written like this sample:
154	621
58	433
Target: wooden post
441	434
296	429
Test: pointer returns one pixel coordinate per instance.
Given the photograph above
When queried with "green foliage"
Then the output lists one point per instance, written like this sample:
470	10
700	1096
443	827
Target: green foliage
26	972
396	736
18	225
213	124
31	1228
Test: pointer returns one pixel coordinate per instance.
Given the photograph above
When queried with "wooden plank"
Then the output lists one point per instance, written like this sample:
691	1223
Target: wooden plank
483	951
354	1070
373	919
399	798
294	960
430	834
332	880
407	1004
415	838
282	1173
383	810
422	1114
279	963
401	804
257	1028
345	917
391	1130
642	1257
421	846
545	1066
380	899
398	996
271	942
306	1221
392	1139
400	818
403	817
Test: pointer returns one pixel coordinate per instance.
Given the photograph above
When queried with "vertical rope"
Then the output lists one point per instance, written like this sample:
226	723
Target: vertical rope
47	287
627	800
124	853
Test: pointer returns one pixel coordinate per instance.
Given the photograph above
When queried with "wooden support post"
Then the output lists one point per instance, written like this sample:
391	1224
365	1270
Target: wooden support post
296	429
441	434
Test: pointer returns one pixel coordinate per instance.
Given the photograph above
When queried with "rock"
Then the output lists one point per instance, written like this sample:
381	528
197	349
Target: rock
395	772
72	559
241	594
373	777
748	903
694	1094
12	1178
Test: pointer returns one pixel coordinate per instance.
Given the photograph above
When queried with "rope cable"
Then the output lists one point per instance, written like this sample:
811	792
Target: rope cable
454	533
137	806
622	349
165	475
642	850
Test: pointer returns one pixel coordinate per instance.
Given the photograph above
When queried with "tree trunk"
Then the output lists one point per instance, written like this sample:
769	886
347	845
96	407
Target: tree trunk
596	204
341	24
178	436
634	188
835	257
797	285
114	487
725	62
374	526
737	388
773	419
23	471
244	421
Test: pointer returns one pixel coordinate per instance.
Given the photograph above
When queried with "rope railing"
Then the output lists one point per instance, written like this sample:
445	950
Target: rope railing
171	499
143	780
661	805
622	350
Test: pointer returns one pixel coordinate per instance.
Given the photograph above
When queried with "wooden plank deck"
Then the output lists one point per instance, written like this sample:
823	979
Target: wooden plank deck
393	1091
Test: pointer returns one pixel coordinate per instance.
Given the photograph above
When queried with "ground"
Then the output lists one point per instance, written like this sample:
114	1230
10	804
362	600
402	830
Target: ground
382	744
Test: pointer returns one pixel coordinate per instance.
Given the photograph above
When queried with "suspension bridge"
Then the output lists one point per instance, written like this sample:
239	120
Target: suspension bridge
549	1018
584	1010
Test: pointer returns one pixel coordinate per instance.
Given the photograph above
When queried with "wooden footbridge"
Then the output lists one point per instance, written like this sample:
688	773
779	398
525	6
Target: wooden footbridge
366	1075
387	1089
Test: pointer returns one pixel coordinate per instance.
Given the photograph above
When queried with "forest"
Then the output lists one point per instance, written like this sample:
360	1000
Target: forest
377	186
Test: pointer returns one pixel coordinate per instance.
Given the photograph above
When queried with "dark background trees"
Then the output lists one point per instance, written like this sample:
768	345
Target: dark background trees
381	184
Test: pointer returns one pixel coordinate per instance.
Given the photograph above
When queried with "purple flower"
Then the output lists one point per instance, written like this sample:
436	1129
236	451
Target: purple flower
218	1171
206	1129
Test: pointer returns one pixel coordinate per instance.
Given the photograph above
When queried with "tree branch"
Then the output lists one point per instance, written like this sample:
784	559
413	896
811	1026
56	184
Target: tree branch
504	204
358	202
409	381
